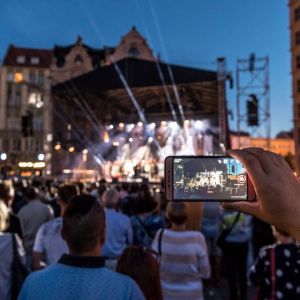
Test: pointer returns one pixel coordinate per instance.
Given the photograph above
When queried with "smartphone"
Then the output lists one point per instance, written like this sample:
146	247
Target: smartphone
207	178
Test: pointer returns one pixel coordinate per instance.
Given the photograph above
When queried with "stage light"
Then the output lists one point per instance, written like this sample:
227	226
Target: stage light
57	147
85	151
106	137
116	144
41	156
140	124
186	123
130	140
163	123
173	125
111	126
198	124
71	149
152	125
3	156
150	139
121	125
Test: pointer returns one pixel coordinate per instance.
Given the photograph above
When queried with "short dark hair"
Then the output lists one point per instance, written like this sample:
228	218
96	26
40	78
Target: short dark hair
67	192
83	223
31	193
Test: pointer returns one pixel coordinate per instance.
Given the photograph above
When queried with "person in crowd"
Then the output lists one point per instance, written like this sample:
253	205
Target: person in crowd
81	273
101	190
6	195
146	221
183	254
195	212
118	229
32	216
211	229
261	235
10	246
277	190
124	191
283	260
235	252
49	245
19	199
141	264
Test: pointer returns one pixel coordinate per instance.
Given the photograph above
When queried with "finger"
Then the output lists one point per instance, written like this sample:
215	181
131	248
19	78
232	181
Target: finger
251	208
266	159
252	165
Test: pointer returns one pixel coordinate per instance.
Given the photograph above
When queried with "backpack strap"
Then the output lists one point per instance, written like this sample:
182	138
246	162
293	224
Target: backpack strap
144	227
160	241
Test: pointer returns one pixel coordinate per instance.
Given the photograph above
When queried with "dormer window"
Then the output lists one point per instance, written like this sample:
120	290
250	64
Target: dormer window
21	59
133	50
78	60
35	60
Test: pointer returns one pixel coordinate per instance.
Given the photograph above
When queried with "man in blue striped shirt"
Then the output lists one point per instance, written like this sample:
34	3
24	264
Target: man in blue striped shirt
81	274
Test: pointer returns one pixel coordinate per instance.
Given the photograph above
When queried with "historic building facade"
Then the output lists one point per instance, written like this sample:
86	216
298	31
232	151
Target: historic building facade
26	77
295	63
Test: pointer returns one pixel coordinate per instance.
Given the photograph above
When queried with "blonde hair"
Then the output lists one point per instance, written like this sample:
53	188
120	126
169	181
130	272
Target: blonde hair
177	212
4	212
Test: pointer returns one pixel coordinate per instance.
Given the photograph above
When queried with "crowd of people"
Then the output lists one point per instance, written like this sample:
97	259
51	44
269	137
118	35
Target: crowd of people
104	240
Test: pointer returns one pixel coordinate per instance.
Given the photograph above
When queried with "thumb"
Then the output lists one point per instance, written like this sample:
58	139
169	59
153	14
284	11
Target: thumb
251	208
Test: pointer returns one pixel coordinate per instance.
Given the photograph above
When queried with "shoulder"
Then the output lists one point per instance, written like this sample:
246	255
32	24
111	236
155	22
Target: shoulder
41	277
120	279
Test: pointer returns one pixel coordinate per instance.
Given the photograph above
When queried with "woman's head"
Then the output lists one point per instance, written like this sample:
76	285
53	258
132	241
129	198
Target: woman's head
141	265
177	212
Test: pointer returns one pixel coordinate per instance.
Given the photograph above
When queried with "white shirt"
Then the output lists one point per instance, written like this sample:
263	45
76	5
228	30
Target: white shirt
49	241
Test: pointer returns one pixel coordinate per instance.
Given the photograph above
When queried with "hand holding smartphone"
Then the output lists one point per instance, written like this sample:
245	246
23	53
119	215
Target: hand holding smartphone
207	178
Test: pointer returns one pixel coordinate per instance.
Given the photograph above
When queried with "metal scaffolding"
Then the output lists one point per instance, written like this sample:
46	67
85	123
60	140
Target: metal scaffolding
252	79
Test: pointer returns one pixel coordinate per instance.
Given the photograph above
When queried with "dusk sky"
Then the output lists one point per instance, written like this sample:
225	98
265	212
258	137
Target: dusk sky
193	33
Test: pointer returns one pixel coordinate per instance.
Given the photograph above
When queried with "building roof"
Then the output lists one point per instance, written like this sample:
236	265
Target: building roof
44	57
138	73
96	55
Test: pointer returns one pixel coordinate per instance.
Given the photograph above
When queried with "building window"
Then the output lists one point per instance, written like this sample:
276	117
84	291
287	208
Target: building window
78	60
21	59
9	75
133	50
13	123
9	94
16	145
41	78
35	60
297	14
297	38
36	100
32	77
5	145
298	61
18	77
298	86
38	123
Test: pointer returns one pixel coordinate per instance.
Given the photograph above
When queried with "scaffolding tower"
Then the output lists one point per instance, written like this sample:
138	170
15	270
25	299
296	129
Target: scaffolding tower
253	89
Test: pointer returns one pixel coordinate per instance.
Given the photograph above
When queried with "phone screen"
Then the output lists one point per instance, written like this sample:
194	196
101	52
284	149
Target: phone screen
209	178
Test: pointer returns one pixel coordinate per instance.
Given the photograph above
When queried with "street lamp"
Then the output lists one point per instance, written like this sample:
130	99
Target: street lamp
41	156
3	156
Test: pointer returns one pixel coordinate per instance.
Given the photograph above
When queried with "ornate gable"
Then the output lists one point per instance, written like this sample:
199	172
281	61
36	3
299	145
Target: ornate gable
133	45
